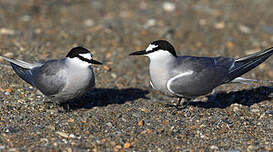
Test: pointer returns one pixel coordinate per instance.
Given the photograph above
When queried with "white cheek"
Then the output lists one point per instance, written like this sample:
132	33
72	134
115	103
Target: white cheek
87	56
159	54
151	47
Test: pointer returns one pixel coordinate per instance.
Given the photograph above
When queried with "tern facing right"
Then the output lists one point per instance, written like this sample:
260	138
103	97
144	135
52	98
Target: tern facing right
190	76
62	80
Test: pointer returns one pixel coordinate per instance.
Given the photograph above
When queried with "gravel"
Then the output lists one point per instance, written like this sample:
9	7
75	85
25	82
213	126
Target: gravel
123	113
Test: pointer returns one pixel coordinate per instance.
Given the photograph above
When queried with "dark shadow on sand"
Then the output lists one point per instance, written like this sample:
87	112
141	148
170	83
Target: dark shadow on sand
105	96
243	97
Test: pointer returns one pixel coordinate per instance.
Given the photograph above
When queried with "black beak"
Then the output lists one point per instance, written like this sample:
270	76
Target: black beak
95	62
139	52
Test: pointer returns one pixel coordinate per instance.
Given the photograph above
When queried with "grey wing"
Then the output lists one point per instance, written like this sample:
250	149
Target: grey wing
196	76
22	68
50	78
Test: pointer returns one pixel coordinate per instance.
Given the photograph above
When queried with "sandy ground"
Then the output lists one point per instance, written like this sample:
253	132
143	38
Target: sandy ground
124	113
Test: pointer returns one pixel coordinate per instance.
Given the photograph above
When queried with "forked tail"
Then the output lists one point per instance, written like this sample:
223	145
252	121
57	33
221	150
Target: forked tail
247	63
22	69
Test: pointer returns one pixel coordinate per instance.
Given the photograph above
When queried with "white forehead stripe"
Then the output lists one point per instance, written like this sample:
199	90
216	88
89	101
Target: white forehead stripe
151	47
86	55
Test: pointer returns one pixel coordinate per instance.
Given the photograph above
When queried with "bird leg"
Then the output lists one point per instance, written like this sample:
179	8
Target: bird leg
179	103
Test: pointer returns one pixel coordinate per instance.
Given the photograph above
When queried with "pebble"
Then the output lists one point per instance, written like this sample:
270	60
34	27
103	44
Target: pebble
9	54
168	6
62	134
117	148
230	45
2	147
71	120
248	52
213	147
113	75
107	68
7	93
108	54
6	31
203	22
109	124
255	110
127	145
236	107
25	18
244	29
72	136
150	23
250	148
89	22
270	112
8	90
268	148
148	131
140	123
219	25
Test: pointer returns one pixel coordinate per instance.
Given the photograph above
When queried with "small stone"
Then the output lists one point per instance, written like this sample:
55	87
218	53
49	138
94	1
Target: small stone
219	25
72	136
107	68
148	131
55	144
203	22
9	54
70	120
89	22
149	23
5	31
213	147
117	148
113	75
250	148
2	147
248	52
268	148
8	90
236	107
230	45
168	6
109	54
255	110
68	149
62	134
38	31
270	112
25	18
113	143
127	145
144	109
140	123
109	124
244	29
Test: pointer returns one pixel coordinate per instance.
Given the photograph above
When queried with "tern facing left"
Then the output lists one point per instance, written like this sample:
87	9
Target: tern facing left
62	80
190	76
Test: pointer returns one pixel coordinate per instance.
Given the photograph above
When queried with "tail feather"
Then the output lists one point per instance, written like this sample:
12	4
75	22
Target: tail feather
23	73
21	63
247	63
22	68
250	81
